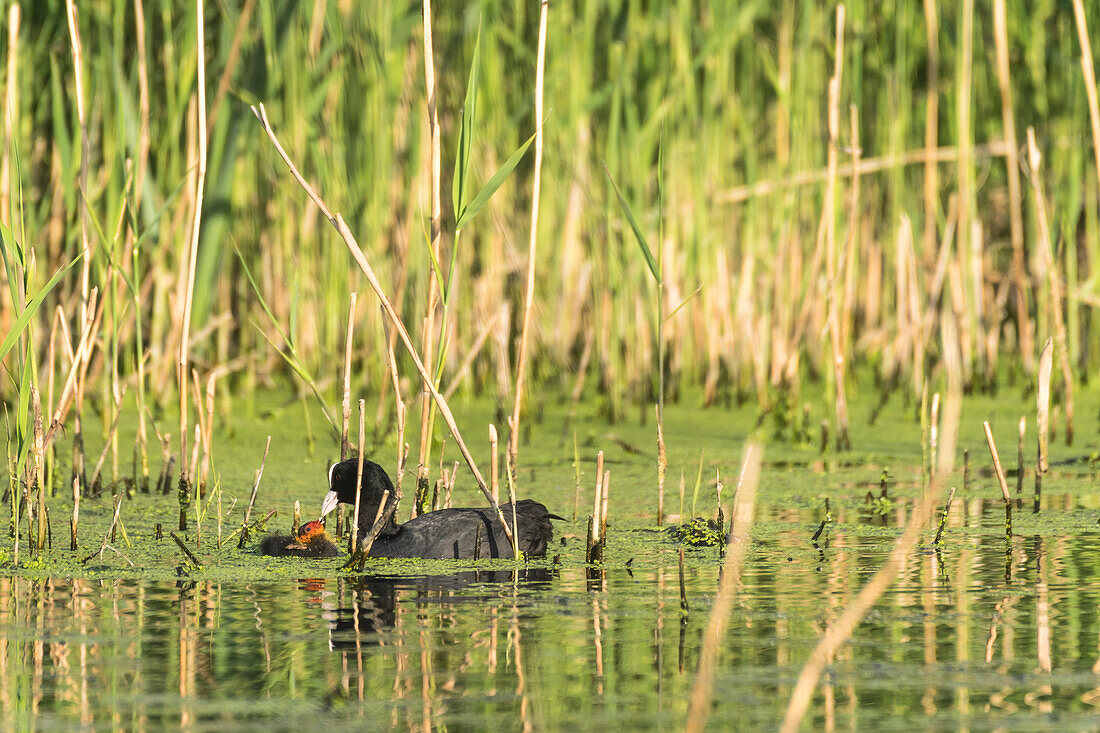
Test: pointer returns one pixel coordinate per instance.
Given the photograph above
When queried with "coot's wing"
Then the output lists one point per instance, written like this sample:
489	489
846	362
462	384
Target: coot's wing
446	534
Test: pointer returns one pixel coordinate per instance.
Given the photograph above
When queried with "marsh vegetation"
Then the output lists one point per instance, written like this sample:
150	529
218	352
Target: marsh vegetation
594	253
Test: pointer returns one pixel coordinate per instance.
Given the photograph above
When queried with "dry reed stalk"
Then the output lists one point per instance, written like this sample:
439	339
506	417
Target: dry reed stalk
1042	404
940	155
976	310
931	126
368	541
354	541
402	449
996	462
191	258
510	471
81	356
75	521
597	500
58	325
841	630
1053	278
143	106
78	74
434	161
850	256
529	298
296	518
702	688
603	503
965	171
345	425
11	113
361	259
1090	79
1015	194
252	499
1020	460
829	217
494	464
662	466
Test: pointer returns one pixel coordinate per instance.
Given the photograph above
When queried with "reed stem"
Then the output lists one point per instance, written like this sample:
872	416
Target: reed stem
532	245
252	499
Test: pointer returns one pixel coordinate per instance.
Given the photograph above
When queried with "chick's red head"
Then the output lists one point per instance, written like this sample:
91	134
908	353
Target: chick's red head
310	530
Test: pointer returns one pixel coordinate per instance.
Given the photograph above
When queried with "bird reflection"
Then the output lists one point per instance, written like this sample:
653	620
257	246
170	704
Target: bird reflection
370	604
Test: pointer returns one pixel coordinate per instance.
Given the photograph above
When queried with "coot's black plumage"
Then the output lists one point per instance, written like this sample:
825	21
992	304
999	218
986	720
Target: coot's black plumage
444	534
311	541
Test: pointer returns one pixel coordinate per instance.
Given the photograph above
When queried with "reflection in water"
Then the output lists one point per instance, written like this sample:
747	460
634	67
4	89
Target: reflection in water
961	640
368	609
372	600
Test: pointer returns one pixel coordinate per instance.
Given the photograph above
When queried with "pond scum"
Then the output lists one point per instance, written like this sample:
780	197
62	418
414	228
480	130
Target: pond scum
754	201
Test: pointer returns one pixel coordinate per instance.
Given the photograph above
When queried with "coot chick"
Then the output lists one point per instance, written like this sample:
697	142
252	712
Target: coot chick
444	534
311	541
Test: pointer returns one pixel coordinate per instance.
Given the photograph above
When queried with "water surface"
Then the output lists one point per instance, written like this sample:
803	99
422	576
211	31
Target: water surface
985	632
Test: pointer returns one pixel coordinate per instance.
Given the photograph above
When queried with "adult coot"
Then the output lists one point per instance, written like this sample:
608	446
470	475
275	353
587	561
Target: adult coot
444	534
311	541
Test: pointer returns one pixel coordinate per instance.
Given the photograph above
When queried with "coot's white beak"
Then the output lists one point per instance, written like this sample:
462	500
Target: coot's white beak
330	502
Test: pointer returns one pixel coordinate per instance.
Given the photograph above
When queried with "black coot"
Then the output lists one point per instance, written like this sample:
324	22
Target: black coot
445	534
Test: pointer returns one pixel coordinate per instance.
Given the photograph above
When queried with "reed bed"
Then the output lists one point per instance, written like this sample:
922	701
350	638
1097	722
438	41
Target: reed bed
889	239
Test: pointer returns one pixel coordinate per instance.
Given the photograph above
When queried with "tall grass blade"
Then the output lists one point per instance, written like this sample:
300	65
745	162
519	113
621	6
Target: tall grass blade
491	186
32	307
460	183
647	253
